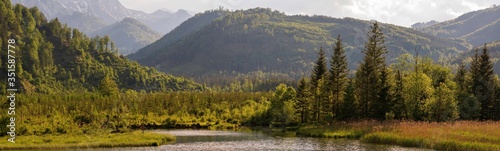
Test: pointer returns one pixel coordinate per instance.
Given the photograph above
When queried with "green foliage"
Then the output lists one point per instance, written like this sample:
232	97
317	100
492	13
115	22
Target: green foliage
129	34
303	101
245	41
108	87
53	58
443	107
337	79
371	73
282	104
348	108
483	82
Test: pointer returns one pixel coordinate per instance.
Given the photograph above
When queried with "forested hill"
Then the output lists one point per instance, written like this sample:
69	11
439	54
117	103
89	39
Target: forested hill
129	35
477	27
261	39
53	58
494	50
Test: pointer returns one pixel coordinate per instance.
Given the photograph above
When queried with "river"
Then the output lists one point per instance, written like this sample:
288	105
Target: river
192	140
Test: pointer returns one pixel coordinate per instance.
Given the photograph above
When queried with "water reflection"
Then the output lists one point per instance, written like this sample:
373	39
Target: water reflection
194	140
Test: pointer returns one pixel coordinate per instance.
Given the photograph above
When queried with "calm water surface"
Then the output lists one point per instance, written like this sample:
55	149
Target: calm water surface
194	140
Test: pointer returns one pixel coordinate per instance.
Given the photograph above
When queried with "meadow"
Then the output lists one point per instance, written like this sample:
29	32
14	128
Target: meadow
102	140
458	135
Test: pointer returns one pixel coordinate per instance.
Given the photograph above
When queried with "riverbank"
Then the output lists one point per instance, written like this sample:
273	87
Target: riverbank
461	135
128	139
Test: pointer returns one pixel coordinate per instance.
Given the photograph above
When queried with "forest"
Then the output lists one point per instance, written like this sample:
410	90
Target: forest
71	84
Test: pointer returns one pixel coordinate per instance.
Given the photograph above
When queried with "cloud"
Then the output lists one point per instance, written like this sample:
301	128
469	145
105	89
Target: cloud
399	12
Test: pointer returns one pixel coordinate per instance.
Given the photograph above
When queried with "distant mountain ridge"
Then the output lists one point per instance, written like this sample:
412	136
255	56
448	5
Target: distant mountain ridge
477	27
94	17
129	35
262	39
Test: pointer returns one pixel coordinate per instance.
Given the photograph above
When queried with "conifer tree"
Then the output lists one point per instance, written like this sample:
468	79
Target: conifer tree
482	81
368	74
338	75
485	86
383	104
317	78
400	108
319	69
303	97
348	108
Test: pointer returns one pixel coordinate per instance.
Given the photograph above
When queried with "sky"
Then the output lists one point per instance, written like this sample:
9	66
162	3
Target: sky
398	12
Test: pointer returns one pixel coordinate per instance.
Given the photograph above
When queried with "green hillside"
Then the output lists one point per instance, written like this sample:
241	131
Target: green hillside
129	35
261	39
477	27
53	58
494	49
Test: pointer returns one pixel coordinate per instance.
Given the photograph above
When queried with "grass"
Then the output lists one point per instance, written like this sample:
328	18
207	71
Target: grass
129	139
460	135
351	130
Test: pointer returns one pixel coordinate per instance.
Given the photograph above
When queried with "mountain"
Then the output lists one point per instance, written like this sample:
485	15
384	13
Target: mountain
90	16
107	11
53	58
270	41
164	21
188	27
129	35
494	50
477	27
424	24
84	22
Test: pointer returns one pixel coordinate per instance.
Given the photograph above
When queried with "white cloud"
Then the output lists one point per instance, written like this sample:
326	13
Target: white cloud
399	12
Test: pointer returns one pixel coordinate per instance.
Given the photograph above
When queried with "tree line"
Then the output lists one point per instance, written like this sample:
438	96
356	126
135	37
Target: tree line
413	88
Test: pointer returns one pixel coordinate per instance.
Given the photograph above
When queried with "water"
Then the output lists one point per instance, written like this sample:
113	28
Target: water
194	140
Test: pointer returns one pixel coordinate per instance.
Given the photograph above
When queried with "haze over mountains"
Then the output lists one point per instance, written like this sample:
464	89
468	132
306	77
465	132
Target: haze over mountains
477	27
90	16
267	40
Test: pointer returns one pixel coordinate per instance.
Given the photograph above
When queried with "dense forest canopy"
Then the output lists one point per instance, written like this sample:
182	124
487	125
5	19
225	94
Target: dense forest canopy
245	41
51	57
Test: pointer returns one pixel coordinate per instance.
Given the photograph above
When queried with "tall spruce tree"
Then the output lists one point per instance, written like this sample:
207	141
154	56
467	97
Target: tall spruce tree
338	75
485	91
302	104
460	78
482	82
348	108
383	104
400	107
369	70
318	74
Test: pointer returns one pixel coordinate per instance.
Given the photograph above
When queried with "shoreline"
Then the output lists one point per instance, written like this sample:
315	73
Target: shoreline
69	141
460	135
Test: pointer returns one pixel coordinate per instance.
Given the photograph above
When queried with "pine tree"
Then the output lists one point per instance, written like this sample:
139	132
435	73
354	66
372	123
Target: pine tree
383	104
319	72
303	97
400	107
319	69
482	81
368	74
468	105
486	85
460	78
348	108
338	75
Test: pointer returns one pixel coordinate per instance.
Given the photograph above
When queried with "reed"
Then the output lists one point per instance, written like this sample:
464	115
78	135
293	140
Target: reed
128	139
